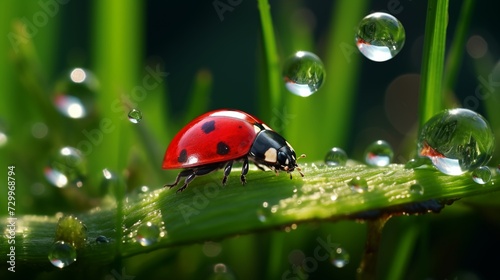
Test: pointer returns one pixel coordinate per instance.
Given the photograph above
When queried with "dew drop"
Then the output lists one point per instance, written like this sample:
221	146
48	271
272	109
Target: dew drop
135	116
67	167
340	257
336	157
417	189
303	73
380	36
62	254
481	175
416	162
147	234
101	239
75	93
456	141
221	272
263	212
358	184
379	153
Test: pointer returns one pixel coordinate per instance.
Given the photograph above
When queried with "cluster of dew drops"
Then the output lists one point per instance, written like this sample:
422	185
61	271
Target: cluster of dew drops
454	141
379	37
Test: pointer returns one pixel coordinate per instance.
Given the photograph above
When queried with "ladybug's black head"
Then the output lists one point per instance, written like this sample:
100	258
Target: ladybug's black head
271	149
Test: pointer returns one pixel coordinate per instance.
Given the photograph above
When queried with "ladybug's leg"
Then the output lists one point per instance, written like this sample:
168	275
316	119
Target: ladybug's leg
244	171
181	174
259	167
227	171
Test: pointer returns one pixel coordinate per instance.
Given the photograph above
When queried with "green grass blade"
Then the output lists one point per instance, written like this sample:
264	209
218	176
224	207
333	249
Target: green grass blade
431	85
457	46
273	69
207	211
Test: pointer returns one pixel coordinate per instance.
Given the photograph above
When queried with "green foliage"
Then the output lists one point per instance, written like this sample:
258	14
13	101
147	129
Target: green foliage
265	229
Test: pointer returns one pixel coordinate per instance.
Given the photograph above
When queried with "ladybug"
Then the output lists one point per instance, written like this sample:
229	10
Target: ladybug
218	138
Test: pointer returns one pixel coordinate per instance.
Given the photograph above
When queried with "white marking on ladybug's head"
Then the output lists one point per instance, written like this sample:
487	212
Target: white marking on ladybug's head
287	162
271	155
290	146
266	127
256	128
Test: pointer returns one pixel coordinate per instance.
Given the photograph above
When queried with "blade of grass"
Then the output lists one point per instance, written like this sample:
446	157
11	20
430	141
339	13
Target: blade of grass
431	83
206	211
456	51
272	59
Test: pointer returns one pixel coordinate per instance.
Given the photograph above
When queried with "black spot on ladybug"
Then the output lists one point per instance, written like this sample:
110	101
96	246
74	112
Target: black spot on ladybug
222	148
208	127
183	156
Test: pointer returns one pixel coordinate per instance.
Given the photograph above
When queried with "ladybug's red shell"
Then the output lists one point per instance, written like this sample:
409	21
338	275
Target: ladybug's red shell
214	137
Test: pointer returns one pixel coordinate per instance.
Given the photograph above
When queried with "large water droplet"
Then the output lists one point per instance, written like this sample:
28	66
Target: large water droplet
340	257
481	175
148	234
303	73
75	93
68	166
336	157
62	254
358	184
380	36
135	116
379	153
456	141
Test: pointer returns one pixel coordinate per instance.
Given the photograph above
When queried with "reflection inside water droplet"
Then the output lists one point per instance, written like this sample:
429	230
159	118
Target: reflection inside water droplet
135	116
336	157
303	73
358	184
456	141
379	153
481	175
148	234
380	36
62	254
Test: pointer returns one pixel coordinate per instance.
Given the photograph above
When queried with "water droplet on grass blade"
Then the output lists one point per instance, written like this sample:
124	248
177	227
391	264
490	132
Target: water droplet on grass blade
456	141
62	254
303	73
417	189
135	116
336	157
101	239
379	153
481	175
380	36
358	184
148	234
